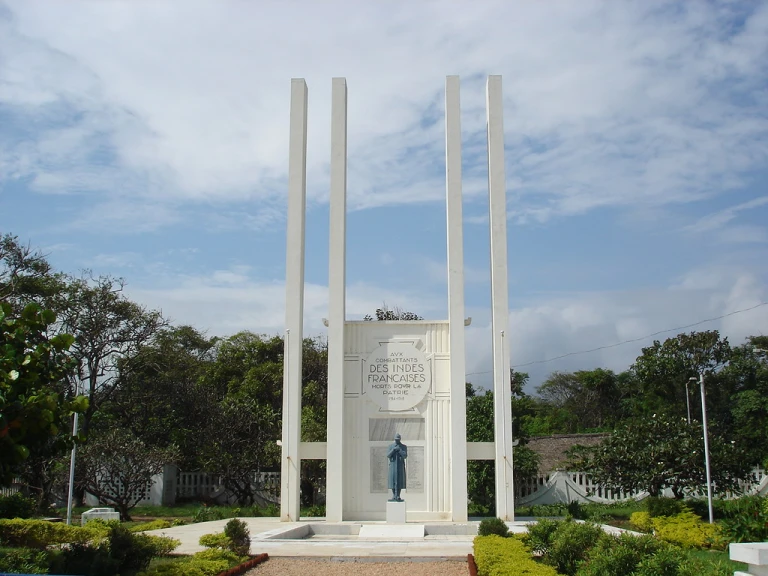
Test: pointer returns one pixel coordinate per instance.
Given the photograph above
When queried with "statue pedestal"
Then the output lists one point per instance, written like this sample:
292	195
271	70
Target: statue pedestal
395	512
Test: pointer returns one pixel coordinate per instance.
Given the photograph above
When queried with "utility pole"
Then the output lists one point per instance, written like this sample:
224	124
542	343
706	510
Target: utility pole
706	444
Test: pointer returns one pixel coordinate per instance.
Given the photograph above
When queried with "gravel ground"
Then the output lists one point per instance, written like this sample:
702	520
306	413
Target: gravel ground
296	567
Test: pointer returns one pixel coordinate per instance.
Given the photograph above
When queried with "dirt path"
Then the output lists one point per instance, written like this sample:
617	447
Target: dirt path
296	567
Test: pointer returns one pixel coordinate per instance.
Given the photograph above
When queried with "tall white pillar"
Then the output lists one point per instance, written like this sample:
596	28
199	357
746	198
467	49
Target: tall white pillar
456	299
336	302
290	466
505	501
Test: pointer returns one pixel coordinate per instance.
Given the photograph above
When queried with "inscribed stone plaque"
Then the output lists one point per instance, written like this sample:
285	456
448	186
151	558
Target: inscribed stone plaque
397	376
414	469
384	429
379	469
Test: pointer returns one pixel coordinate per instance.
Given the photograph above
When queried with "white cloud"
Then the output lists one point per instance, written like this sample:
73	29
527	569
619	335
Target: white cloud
606	103
720	223
229	300
551	327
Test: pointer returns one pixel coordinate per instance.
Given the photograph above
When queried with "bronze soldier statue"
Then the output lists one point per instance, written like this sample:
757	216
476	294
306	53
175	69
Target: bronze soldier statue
396	453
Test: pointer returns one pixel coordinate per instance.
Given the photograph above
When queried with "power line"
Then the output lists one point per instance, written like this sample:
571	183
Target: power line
544	361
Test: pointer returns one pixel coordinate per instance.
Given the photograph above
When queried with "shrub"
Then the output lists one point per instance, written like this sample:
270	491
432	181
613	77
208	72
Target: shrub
218	540
161	545
576	510
315	511
746	520
158	524
539	536
17	506
218	555
656	506
205	563
490	526
20	533
208	513
93	560
122	552
570	544
666	562
499	556
642	521
24	561
238	533
686	529
618	555
542	510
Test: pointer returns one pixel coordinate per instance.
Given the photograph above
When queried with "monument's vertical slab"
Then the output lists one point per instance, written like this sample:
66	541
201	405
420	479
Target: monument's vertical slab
337	254
397	380
505	507
290	465
458	419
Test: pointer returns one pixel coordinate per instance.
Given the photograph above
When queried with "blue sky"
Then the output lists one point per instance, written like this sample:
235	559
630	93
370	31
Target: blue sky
149	140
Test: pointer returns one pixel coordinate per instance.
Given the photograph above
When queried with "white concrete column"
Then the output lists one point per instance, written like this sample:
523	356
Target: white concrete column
290	466
505	505
337	254
456	299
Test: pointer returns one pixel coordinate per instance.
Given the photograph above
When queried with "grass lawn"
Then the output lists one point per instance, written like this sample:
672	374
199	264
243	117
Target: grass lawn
717	559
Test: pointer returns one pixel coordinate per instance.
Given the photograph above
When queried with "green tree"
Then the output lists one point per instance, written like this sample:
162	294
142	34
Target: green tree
117	467
107	328
159	394
396	313
26	276
746	376
314	419
663	370
658	452
480	473
33	409
586	400
239	444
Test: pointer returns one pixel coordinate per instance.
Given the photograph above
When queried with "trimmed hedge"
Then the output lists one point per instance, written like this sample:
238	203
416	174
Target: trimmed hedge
498	556
40	534
158	524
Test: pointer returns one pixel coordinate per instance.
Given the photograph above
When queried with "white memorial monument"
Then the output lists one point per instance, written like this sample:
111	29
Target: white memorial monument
388	377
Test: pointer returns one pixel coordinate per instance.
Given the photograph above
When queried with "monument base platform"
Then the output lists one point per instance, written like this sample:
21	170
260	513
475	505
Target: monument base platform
395	512
385	531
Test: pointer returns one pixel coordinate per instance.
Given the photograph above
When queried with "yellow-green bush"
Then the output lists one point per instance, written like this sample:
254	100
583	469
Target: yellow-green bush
158	524
497	556
218	540
18	533
642	521
687	530
205	563
162	545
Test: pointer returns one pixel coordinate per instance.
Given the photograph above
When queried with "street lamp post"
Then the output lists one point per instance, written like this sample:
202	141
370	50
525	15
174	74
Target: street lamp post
688	399
71	487
706	445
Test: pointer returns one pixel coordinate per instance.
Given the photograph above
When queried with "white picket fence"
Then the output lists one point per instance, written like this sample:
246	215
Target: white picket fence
560	486
15	486
209	486
564	487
